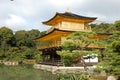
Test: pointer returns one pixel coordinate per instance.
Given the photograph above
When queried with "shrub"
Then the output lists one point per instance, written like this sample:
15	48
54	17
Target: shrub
72	77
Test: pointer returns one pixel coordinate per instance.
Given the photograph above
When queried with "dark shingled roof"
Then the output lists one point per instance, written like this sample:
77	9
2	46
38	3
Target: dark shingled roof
72	15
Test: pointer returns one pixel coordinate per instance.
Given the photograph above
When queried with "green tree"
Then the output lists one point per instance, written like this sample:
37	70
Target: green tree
72	77
20	45
6	36
29	53
32	34
20	37
103	28
2	55
78	41
38	56
14	53
111	61
117	25
26	38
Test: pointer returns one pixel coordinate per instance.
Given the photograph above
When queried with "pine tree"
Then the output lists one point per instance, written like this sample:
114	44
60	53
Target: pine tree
111	61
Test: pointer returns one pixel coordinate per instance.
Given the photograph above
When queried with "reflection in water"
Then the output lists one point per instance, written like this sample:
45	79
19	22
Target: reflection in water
25	72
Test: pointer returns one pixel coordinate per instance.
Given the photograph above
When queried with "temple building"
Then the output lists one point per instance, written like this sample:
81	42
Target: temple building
62	25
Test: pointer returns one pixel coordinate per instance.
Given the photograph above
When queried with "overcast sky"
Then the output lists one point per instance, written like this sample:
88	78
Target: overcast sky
28	14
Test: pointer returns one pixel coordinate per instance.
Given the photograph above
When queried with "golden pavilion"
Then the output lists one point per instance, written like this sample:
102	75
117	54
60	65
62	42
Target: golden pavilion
62	25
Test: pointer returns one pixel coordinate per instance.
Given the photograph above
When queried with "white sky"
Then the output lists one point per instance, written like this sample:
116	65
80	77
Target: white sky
28	14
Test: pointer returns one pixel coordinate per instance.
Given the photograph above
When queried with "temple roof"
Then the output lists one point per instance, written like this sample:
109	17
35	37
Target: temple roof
58	33
53	34
70	17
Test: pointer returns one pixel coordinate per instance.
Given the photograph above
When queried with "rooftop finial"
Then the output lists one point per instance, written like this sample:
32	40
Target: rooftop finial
68	10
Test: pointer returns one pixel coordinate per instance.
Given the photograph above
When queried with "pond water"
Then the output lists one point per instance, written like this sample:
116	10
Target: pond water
24	72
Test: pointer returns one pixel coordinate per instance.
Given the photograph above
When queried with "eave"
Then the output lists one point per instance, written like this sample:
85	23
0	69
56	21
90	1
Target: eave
100	35
55	33
69	17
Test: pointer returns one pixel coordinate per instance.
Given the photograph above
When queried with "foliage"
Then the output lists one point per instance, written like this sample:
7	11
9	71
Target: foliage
111	62
18	46
38	57
26	37
22	39
72	77
6	35
14	54
103	28
2	56
68	45
117	25
32	34
78	40
28	52
115	46
76	46
68	57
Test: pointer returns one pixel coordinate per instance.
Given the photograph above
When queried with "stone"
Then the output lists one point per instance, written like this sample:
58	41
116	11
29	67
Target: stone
111	78
103	73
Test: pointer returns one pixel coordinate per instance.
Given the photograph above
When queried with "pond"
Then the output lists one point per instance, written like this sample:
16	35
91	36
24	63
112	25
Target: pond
24	72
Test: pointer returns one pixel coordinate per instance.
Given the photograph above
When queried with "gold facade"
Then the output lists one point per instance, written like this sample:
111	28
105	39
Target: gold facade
63	24
53	39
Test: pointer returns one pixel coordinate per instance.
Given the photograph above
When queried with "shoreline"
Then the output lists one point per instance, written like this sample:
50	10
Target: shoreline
64	70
